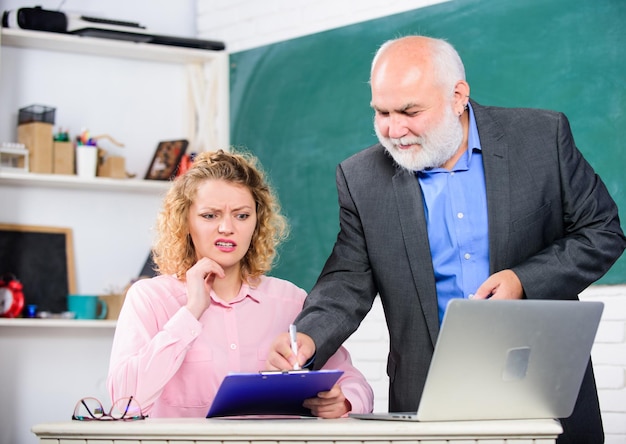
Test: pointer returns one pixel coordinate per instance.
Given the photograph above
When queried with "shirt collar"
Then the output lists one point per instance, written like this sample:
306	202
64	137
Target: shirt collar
473	141
244	292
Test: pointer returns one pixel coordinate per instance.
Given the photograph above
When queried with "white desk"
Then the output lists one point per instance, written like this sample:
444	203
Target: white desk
292	431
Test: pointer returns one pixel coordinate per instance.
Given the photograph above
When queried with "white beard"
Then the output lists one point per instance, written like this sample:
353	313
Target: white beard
435	147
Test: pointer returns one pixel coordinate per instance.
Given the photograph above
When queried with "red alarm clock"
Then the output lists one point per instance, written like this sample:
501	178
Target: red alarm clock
11	296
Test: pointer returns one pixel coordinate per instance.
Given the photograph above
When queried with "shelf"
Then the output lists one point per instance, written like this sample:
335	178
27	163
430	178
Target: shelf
63	323
52	41
69	182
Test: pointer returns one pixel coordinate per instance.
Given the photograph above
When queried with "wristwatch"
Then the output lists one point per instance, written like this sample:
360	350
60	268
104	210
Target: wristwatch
11	296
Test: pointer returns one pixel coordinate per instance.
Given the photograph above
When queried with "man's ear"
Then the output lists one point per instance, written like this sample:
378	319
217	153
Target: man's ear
461	95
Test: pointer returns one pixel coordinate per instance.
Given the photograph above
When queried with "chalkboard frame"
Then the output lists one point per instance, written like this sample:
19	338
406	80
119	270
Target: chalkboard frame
12	239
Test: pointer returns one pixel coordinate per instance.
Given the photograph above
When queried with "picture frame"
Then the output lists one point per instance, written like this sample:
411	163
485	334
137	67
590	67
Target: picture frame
166	159
42	260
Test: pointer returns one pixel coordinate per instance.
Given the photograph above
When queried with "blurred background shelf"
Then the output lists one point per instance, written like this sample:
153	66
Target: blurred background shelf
61	323
75	182
53	41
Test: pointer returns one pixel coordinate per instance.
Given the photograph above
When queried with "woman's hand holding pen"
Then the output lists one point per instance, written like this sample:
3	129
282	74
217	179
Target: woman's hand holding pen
281	356
200	279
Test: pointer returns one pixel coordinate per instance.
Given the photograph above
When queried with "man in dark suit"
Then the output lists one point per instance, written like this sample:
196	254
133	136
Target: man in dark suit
458	200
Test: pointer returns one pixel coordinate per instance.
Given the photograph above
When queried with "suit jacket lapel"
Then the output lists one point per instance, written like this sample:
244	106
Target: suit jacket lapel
496	166
413	224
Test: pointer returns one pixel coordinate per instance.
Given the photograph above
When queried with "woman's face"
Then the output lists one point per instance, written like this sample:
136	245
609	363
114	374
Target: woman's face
222	220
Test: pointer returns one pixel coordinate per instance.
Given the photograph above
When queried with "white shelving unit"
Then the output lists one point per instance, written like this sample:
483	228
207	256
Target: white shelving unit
51	41
56	323
142	87
69	182
207	78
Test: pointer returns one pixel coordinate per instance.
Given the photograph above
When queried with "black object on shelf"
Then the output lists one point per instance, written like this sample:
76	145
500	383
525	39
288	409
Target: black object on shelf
186	42
36	113
38	19
105	21
113	34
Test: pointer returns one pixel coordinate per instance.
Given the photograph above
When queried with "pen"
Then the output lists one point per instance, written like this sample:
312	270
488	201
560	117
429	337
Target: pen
294	343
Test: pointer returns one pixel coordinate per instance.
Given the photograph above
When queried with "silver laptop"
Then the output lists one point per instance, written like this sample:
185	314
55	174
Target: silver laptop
506	359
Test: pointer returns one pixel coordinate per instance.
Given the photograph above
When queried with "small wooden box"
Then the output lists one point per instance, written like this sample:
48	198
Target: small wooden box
114	304
37	137
112	166
63	158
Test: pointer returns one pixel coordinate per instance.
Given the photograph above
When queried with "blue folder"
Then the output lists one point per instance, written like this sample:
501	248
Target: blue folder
270	393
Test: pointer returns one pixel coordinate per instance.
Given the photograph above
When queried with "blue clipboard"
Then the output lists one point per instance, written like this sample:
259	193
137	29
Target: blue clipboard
270	393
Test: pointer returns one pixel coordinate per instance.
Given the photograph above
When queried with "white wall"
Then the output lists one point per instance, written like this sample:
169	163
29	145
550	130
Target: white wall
247	24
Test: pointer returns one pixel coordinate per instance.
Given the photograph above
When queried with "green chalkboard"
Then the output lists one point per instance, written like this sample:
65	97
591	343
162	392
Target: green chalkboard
302	105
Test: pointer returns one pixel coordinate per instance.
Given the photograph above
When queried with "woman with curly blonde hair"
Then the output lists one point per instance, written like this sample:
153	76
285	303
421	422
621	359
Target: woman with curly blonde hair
212	309
174	252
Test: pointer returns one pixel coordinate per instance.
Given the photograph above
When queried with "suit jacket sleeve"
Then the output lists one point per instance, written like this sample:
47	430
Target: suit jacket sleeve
574	236
345	290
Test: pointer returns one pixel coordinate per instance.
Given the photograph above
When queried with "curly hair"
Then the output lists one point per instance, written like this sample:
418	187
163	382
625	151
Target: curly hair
174	252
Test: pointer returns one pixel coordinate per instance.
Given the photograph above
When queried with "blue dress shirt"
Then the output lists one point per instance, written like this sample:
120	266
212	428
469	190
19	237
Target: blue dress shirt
455	204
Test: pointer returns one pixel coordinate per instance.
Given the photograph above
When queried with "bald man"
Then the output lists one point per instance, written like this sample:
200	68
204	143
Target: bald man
458	200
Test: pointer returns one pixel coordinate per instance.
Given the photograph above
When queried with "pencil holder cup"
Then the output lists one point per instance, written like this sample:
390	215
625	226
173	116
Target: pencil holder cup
86	161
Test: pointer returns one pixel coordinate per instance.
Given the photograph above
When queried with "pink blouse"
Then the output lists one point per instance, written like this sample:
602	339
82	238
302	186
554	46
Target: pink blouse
173	363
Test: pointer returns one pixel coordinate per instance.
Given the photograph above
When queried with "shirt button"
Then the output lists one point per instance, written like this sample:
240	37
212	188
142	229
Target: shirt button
459	215
233	346
467	255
